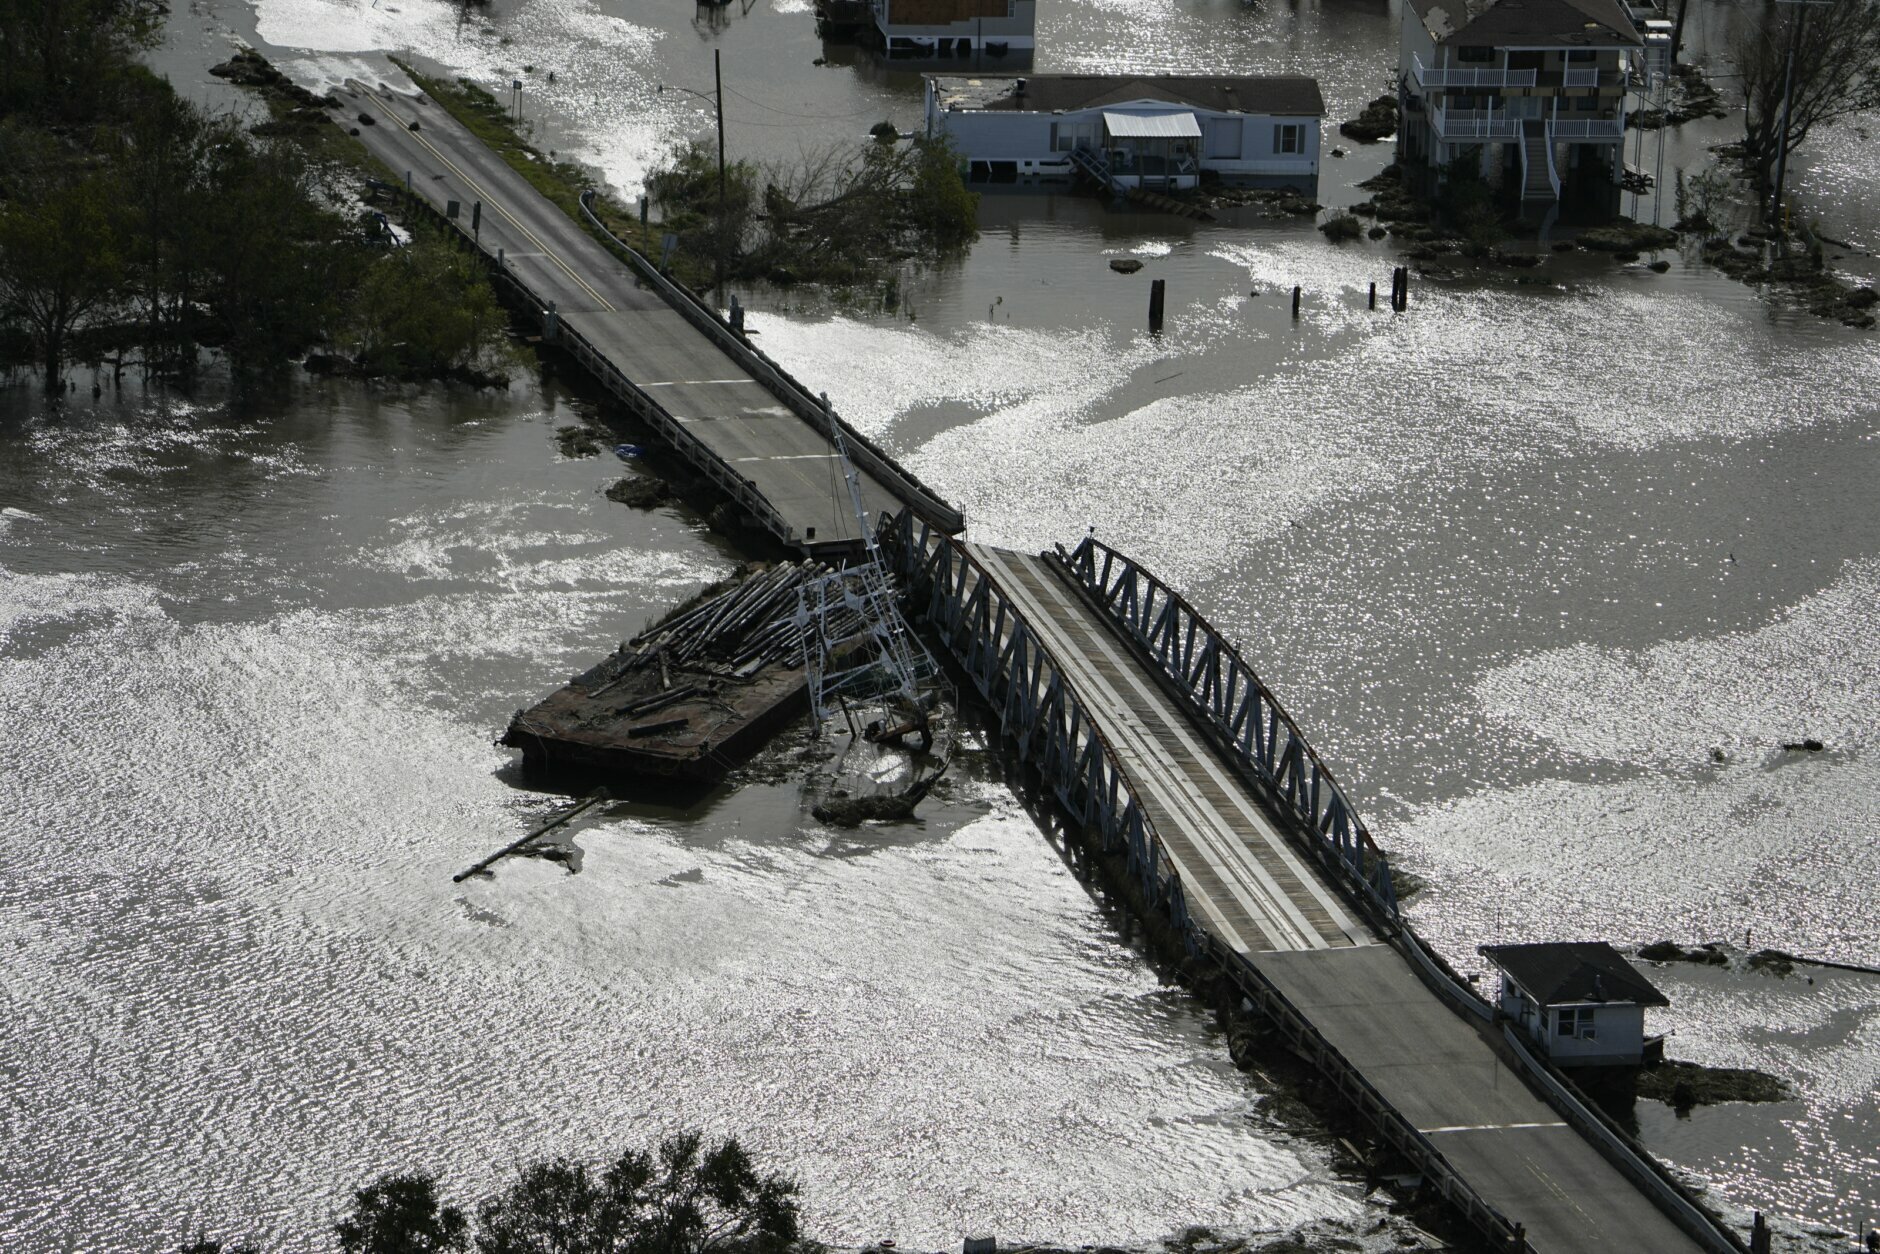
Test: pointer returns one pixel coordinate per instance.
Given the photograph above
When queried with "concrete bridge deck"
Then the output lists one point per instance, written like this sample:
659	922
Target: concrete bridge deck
738	419
1247	884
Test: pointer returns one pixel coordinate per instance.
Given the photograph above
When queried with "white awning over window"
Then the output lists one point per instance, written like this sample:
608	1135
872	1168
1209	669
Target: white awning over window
1152	126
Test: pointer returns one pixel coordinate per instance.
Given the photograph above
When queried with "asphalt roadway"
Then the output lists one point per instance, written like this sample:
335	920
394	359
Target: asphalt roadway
791	464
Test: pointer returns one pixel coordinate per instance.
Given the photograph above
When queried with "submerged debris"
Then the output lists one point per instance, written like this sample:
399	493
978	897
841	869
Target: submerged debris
640	492
1378	121
1682	1085
578	441
880	808
1711	955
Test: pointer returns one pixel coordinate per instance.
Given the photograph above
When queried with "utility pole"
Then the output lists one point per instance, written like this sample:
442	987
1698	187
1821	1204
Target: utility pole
717	98
718	86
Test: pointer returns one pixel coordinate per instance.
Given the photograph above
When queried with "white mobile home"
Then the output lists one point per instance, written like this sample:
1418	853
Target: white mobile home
1159	133
1580	1002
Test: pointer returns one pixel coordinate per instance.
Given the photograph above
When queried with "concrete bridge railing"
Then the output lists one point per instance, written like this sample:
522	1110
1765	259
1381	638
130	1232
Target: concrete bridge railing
708	463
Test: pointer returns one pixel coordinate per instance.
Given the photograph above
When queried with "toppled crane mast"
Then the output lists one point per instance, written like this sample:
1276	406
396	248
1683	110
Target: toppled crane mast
687	700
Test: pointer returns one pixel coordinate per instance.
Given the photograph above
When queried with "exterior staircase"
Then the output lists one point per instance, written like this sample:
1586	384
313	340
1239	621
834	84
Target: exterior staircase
1086	163
1538	179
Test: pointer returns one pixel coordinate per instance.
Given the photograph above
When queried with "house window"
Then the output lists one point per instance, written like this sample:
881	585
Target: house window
1464	102
1289	137
1587	104
1574	1021
1475	54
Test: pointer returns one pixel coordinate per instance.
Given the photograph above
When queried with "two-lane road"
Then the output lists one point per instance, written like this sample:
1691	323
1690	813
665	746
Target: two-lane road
671	361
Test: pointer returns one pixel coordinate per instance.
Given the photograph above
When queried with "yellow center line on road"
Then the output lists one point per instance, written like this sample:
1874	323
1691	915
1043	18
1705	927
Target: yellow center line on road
492	202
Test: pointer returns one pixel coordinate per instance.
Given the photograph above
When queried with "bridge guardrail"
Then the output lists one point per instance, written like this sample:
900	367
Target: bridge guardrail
1015	675
1392	1127
1645	1171
862	450
709	463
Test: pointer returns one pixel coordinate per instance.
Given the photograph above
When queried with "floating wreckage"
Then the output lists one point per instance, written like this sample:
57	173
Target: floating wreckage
864	664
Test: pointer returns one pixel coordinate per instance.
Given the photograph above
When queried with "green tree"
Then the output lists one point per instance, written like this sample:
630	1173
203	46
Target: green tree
399	1214
687	1198
686	189
275	263
163	153
939	203
1837	74
59	59
60	245
427	308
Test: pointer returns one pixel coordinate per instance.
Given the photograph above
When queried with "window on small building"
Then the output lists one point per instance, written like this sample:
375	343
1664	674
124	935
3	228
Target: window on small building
1587	104
1465	53
1574	1021
1289	137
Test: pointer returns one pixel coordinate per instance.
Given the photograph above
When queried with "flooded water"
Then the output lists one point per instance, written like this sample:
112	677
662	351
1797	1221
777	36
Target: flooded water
1519	560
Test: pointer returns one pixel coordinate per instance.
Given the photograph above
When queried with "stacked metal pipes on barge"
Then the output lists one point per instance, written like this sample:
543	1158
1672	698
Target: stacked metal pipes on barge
688	698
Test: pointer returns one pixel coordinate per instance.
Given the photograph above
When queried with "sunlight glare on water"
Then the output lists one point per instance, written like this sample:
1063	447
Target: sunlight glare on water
247	982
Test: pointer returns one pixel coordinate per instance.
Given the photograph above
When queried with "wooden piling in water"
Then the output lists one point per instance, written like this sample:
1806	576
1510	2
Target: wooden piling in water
1373	302
1295	302
1157	293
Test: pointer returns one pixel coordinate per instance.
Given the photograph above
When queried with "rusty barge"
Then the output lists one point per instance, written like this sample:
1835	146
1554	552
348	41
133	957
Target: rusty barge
685	701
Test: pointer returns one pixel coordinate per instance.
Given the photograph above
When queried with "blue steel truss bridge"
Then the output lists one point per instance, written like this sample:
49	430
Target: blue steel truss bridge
1159	739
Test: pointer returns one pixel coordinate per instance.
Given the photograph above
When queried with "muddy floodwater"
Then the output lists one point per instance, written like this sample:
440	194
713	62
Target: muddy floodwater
1549	574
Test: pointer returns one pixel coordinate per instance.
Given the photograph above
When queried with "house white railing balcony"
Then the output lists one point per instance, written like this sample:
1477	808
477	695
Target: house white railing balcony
1469	76
1579	76
1589	128
1454	125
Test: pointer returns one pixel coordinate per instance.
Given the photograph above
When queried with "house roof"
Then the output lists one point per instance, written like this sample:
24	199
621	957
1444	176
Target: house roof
1527	23
1293	95
1563	973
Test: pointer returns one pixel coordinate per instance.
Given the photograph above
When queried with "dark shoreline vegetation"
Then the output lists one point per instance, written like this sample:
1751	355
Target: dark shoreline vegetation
138	230
1465	222
841	218
686	1197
